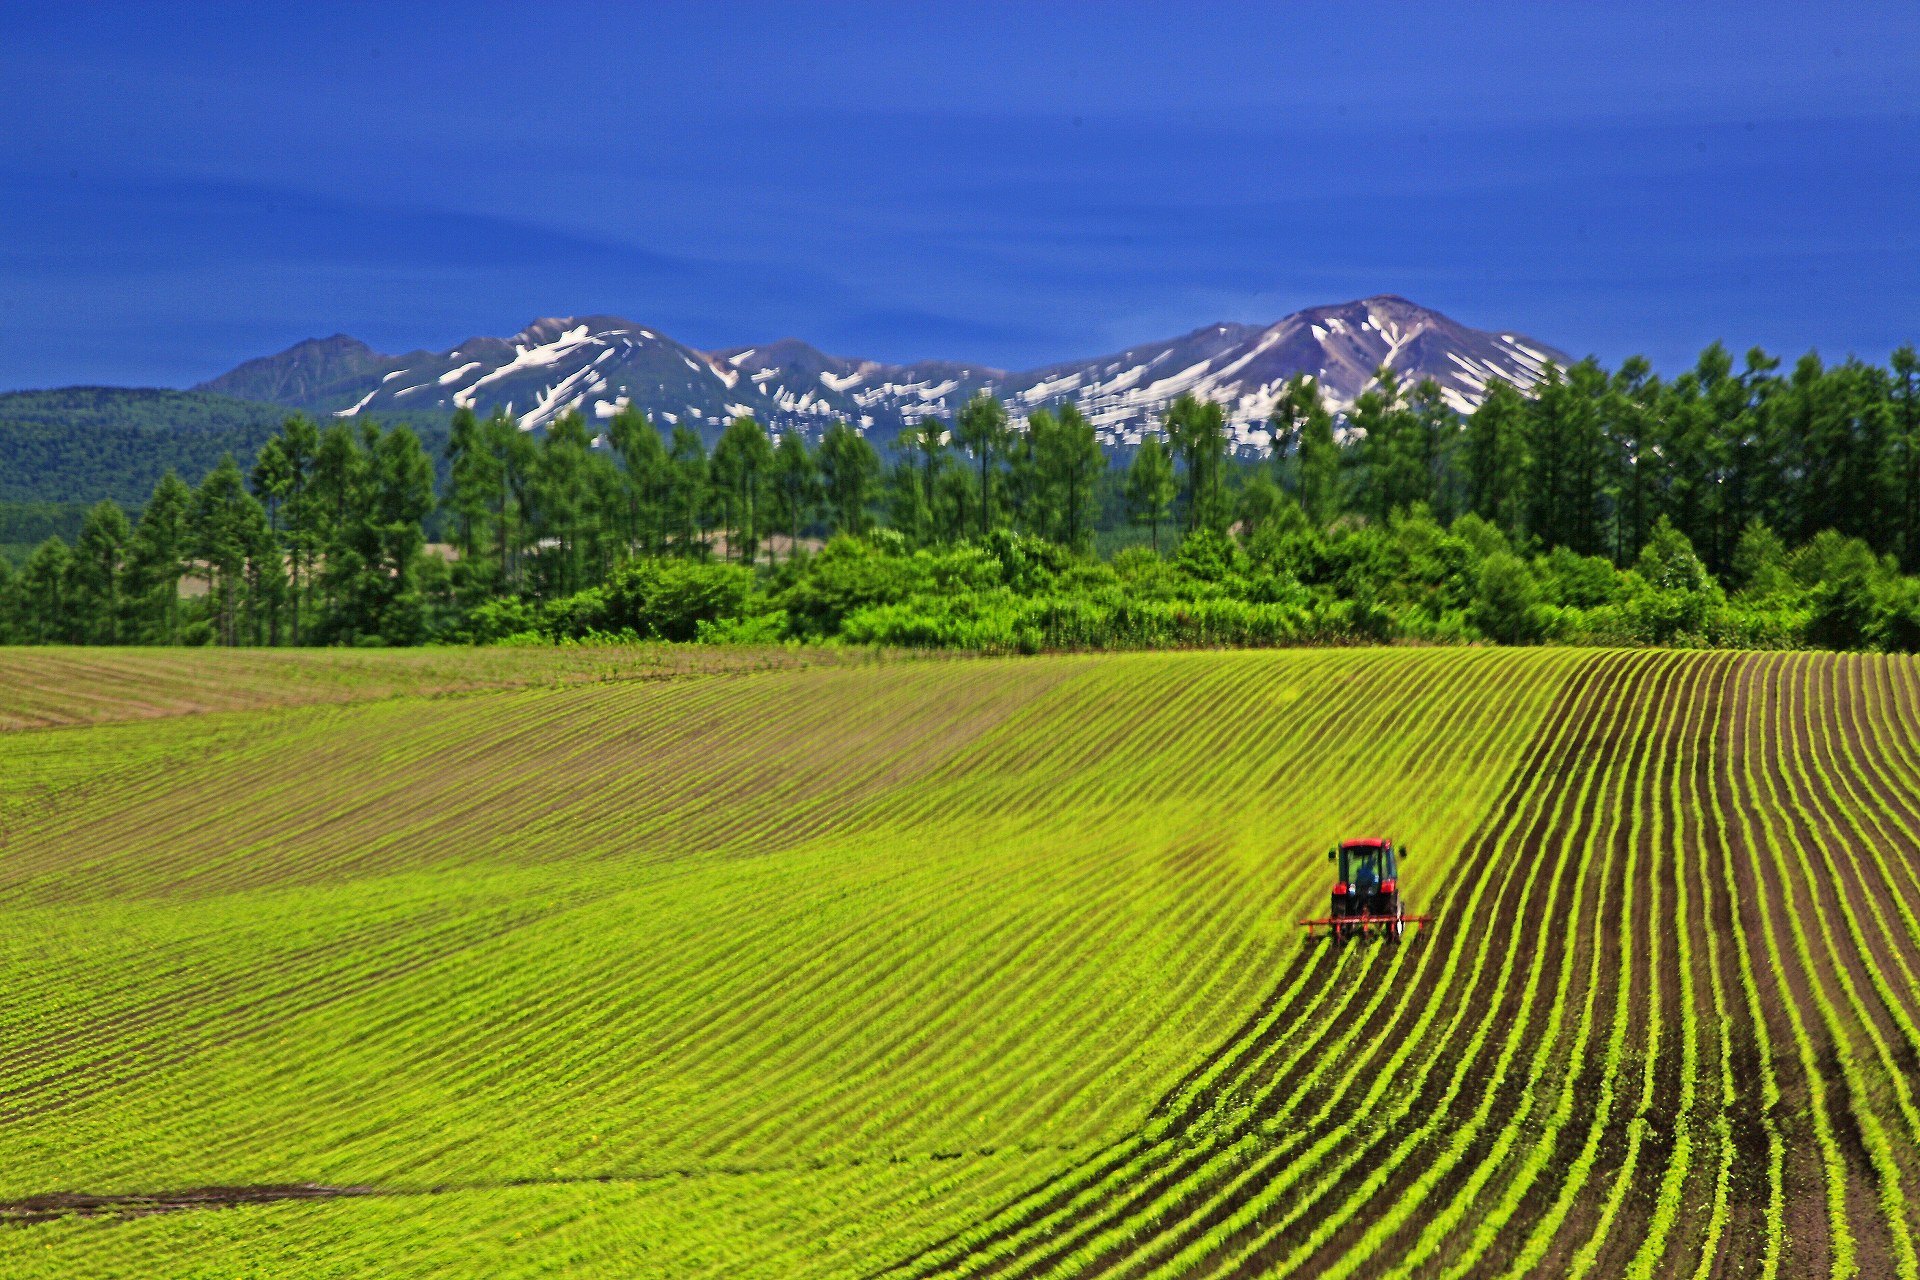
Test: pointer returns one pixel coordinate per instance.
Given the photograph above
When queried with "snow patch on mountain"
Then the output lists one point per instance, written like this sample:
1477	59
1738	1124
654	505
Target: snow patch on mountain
602	364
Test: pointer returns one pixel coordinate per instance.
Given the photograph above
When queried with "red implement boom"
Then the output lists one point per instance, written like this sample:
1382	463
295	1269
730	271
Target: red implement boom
1359	924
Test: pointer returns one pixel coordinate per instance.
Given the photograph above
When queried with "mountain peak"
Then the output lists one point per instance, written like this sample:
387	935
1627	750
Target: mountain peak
599	364
305	371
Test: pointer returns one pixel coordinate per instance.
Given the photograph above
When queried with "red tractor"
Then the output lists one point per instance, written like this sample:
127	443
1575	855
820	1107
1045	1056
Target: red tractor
1366	896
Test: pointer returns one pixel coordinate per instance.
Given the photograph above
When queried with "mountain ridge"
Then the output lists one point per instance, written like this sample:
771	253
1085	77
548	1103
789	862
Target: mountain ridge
600	363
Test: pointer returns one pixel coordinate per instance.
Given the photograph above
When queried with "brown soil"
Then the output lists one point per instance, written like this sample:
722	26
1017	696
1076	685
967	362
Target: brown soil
69	1204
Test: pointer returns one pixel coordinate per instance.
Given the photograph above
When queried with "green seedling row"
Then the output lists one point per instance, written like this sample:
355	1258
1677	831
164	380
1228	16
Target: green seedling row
663	961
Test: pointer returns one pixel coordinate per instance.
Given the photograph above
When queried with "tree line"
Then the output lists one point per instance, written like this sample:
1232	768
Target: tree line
323	538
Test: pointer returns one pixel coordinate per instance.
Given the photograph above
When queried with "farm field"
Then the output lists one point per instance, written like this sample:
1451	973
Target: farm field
674	963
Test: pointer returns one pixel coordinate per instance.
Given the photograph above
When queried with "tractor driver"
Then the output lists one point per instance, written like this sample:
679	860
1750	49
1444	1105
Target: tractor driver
1366	872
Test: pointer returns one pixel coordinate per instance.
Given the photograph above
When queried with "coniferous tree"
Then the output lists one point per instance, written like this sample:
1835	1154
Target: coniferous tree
741	463
909	496
1069	460
796	486
272	481
1287	424
849	472
226	530
380	546
1497	465
42	596
1150	485
955	496
336	464
1023	485
1625	412
687	490
929	440
1691	448
9	604
98	570
1319	452
472	482
1392	450
156	559
563	514
647	478
1566	449
299	442
1433	439
1197	431
507	476
1905	390
981	430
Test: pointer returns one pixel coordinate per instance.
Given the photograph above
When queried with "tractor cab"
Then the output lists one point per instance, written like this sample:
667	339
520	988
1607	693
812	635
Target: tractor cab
1367	868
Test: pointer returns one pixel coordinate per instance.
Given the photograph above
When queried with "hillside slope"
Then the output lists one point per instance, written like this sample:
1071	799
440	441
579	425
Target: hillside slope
82	444
975	968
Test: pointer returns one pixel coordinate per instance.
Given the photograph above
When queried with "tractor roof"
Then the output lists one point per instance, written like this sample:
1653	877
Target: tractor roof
1368	842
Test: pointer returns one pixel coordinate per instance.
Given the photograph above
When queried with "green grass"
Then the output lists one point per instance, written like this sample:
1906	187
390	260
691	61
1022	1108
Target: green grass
677	962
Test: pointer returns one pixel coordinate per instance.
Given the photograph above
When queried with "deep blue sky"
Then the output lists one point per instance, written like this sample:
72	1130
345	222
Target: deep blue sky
183	187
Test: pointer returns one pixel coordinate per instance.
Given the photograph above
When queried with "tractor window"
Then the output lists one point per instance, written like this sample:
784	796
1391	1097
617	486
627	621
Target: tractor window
1363	866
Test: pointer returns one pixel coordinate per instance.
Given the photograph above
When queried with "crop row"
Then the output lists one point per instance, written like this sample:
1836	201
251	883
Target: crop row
832	926
1598	1065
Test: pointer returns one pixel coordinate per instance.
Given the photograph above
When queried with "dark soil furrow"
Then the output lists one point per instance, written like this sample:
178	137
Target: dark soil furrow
1551	754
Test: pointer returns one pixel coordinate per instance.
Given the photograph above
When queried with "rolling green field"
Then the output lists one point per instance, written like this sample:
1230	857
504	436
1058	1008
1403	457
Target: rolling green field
671	962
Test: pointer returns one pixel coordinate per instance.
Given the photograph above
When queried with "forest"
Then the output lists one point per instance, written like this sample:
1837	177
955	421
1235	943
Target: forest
1738	504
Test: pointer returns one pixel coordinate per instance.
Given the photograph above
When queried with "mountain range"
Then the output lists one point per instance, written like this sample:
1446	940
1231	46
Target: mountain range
598	364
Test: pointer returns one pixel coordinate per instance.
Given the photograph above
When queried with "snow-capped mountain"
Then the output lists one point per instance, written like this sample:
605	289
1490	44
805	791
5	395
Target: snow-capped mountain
597	364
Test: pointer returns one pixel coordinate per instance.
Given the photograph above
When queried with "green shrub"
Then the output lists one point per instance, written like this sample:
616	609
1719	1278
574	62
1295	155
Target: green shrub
1506	601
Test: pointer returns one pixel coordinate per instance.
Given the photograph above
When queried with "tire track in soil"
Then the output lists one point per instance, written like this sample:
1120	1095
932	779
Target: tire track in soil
1553	755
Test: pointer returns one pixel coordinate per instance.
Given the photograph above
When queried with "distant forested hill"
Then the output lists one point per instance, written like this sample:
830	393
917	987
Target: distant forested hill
81	444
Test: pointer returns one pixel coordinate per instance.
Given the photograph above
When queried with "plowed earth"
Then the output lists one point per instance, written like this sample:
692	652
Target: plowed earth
970	968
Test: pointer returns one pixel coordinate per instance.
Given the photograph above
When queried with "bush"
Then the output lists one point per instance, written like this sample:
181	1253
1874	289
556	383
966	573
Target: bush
495	620
1506	601
846	576
671	599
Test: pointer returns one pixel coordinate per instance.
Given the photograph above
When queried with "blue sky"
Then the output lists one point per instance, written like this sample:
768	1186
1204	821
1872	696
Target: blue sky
186	186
